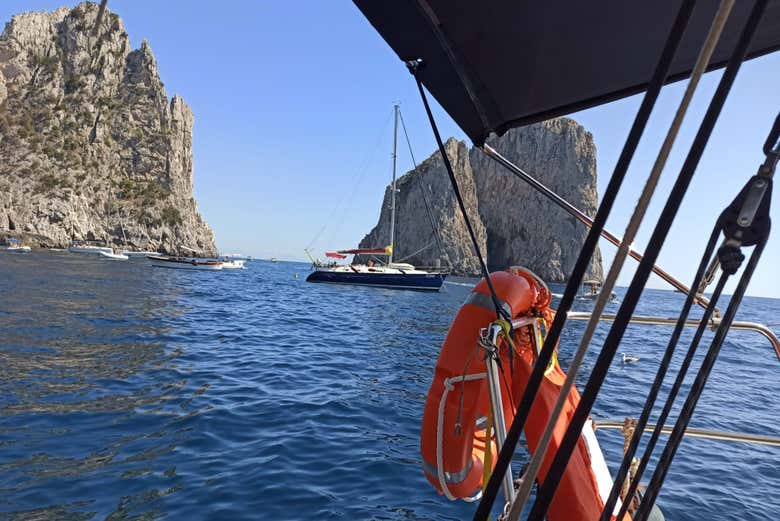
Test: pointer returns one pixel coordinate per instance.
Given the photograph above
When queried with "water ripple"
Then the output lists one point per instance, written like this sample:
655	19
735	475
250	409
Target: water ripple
133	393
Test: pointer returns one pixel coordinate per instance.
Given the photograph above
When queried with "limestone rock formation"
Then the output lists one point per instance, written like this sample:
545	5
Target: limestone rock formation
515	225
90	145
524	228
415	240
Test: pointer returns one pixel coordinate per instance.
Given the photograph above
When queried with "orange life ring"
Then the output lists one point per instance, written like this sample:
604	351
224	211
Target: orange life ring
453	444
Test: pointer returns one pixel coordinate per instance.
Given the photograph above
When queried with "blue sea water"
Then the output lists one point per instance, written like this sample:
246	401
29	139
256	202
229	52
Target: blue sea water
128	392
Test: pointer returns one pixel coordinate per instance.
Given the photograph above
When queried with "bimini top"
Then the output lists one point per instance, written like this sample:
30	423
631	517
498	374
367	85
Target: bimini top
498	64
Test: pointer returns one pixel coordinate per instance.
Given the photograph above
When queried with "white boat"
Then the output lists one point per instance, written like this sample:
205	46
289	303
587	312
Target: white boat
140	254
591	289
113	256
15	246
185	263
236	256
18	249
89	247
232	264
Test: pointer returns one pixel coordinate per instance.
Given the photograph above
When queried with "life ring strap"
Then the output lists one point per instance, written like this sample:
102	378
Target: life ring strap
482	300
449	477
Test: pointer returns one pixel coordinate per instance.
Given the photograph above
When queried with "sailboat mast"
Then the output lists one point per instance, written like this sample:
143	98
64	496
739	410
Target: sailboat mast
392	186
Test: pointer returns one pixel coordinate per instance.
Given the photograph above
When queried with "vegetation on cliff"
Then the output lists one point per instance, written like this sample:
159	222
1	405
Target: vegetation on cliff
91	147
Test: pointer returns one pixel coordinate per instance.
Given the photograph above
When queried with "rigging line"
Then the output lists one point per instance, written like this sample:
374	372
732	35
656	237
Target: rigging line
703	59
425	198
584	257
427	245
360	174
500	312
347	201
524	491
656	387
765	170
599	372
651	493
750	213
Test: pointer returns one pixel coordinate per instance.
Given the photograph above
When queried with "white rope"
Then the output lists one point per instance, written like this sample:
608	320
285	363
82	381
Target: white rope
524	491
440	433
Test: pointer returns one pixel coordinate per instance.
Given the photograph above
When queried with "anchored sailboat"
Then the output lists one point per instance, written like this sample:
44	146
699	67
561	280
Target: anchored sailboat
375	272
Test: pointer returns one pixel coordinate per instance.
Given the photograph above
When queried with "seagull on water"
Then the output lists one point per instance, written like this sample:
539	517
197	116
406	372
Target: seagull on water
628	359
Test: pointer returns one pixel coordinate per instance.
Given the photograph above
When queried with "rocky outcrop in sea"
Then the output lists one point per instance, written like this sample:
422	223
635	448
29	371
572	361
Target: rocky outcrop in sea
91	147
514	224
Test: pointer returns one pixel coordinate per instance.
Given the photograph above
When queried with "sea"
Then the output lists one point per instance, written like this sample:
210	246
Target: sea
132	392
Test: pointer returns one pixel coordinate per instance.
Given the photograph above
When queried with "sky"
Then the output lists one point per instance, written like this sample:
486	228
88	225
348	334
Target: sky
292	137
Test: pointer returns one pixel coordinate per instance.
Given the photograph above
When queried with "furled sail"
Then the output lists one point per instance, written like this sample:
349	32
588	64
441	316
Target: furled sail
368	251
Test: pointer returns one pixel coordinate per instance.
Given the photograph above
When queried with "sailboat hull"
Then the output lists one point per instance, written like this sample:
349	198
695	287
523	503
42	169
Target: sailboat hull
415	281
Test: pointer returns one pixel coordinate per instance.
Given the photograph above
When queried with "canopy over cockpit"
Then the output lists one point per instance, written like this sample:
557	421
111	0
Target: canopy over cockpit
504	63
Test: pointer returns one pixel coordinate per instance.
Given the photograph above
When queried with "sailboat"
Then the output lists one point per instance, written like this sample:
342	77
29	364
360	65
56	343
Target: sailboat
375	272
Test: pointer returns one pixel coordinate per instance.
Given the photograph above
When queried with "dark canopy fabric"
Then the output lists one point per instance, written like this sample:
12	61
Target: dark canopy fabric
529	60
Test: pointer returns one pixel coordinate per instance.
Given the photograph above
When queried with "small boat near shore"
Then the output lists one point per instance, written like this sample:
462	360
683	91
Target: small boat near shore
591	289
185	263
16	246
232	263
18	249
113	256
94	247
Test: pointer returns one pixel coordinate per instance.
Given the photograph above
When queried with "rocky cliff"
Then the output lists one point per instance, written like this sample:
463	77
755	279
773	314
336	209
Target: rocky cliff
515	224
415	239
90	145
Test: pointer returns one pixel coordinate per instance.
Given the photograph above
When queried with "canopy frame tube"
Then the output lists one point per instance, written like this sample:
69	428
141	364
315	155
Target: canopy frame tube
713	324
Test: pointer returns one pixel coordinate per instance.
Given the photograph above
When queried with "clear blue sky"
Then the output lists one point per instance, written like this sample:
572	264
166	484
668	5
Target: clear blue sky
292	104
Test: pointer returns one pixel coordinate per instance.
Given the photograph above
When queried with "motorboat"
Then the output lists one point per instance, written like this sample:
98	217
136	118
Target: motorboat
185	263
113	256
16	246
232	264
94	247
591	289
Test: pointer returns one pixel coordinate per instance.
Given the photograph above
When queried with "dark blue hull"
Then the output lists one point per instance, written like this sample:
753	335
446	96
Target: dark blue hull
422	281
